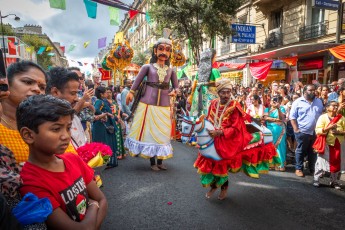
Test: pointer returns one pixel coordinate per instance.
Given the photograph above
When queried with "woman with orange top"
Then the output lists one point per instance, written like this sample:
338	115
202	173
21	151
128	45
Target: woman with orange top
25	79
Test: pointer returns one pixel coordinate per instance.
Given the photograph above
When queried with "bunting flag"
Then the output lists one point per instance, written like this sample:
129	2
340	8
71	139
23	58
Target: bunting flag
132	29
148	18
49	48
16	43
291	61
91	8
118	37
132	13
58	4
81	64
85	63
102	42
41	50
86	44
93	66
99	65
71	48
28	49
114	16
259	70
63	48
51	54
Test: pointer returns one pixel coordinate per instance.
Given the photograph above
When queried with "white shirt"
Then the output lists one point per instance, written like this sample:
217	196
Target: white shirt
77	133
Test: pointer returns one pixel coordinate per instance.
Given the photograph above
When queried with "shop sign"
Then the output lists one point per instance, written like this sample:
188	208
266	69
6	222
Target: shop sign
232	74
243	34
310	64
326	4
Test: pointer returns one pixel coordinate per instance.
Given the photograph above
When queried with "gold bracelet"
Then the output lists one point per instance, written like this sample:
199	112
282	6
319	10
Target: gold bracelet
94	203
132	91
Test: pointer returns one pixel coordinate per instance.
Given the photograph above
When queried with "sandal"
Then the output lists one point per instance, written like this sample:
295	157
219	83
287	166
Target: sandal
282	169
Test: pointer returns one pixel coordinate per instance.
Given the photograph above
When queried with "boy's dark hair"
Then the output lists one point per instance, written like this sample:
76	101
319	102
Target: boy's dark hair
22	67
59	77
38	109
99	90
73	68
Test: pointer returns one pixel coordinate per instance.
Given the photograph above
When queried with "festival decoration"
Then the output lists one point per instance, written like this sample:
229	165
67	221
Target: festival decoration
177	57
91	8
106	75
132	13
86	44
102	42
58	4
95	154
114	16
71	48
41	50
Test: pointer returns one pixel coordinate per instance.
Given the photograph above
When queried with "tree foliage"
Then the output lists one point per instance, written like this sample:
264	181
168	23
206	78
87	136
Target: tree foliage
33	40
8	31
139	57
196	20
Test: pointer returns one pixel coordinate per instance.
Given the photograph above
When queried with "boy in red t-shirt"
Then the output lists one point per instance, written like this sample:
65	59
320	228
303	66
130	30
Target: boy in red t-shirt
44	123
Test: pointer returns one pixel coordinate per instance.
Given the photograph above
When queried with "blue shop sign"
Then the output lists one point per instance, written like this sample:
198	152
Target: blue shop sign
243	34
326	4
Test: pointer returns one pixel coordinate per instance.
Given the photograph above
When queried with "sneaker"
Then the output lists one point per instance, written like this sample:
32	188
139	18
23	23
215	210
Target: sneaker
299	173
335	185
316	183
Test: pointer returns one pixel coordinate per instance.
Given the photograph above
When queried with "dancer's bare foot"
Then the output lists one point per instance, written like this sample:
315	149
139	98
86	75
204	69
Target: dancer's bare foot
210	193
223	193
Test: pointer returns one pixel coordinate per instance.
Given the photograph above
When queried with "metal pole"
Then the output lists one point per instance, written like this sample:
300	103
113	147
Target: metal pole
3	40
339	22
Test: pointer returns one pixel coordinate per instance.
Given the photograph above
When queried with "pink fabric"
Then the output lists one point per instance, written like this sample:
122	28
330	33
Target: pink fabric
237	66
259	70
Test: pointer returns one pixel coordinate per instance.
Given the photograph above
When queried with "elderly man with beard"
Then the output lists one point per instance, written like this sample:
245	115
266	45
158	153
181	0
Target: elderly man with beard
304	113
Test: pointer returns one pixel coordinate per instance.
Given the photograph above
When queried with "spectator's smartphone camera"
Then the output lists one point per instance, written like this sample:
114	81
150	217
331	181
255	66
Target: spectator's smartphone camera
275	100
3	87
260	86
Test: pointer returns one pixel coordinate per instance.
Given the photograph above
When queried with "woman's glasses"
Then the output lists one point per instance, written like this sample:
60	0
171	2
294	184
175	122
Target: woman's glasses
166	48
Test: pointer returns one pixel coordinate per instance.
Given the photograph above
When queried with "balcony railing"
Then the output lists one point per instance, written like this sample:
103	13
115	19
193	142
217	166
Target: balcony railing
240	47
225	49
313	31
275	39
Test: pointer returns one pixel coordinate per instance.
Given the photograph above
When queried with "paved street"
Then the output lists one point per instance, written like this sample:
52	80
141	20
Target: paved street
139	199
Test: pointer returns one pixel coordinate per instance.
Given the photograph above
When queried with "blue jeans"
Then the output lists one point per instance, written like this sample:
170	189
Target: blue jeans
305	148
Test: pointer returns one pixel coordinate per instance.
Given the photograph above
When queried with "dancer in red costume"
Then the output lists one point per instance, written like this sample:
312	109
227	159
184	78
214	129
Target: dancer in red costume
233	143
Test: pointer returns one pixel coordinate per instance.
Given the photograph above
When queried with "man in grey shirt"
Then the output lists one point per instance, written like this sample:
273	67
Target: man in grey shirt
126	108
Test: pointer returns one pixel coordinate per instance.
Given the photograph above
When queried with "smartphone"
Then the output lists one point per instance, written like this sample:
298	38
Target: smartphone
3	87
275	99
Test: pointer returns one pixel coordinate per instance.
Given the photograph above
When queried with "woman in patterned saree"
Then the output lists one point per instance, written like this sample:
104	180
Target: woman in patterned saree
120	151
274	117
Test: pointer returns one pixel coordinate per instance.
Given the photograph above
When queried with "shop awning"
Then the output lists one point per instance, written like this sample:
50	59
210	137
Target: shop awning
294	50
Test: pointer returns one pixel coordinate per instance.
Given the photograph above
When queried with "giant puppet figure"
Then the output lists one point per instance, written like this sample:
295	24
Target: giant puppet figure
203	89
150	132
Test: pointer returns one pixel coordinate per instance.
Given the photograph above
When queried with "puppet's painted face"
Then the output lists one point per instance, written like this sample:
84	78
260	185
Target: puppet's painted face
163	51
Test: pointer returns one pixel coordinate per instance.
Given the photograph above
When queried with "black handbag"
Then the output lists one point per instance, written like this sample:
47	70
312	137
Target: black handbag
110	129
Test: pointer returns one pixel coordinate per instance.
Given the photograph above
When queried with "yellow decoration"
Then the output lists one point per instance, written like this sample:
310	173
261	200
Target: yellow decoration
96	161
177	57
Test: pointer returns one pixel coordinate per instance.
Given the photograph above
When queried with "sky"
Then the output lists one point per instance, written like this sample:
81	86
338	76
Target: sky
70	26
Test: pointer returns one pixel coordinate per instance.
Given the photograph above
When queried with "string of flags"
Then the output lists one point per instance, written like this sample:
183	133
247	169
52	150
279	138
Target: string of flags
114	6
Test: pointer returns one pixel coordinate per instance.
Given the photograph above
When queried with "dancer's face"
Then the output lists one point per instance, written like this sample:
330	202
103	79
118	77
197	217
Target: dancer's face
224	95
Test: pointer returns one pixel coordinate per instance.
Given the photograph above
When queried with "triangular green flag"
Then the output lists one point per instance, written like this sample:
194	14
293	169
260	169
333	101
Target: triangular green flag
58	4
114	16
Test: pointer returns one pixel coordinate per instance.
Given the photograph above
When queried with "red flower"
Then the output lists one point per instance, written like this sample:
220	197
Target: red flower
88	151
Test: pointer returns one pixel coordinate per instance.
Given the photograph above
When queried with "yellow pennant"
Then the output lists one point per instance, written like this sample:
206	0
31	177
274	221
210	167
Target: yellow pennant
86	44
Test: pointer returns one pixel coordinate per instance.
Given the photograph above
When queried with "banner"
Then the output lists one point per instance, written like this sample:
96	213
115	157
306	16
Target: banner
259	70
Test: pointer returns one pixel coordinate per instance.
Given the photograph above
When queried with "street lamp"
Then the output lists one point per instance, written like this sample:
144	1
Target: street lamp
2	32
